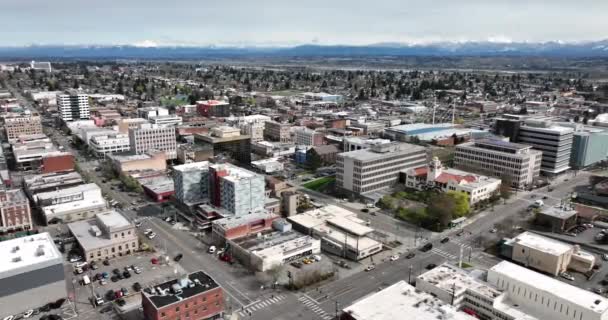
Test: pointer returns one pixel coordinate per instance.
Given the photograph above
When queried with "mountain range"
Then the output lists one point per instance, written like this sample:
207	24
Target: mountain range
439	49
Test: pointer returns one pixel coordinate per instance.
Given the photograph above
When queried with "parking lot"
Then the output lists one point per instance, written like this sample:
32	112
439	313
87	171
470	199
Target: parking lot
151	274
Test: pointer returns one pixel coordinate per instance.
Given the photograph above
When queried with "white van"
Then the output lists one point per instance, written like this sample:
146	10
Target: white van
86	280
211	249
538	203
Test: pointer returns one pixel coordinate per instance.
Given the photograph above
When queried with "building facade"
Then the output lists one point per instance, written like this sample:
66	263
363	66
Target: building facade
73	106
588	148
376	168
276	131
307	137
191	182
26	124
70	204
235	189
226	141
150	137
513	162
15	213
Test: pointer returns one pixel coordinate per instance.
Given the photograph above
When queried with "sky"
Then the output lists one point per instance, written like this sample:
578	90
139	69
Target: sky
288	22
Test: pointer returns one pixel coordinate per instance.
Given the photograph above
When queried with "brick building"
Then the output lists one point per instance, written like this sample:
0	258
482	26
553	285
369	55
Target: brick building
15	213
194	297
57	163
240	226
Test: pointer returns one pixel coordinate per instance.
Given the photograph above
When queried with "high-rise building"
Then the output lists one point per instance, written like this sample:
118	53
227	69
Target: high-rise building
31	274
15	213
554	141
517	163
378	167
21	125
276	131
191	182
109	143
235	189
588	147
150	137
73	106
227	141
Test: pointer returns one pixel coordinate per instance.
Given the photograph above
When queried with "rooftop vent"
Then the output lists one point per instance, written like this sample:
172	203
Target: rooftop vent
597	301
15	249
16	259
40	251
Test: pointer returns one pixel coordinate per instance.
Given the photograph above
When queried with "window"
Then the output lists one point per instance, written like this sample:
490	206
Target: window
176	309
162	315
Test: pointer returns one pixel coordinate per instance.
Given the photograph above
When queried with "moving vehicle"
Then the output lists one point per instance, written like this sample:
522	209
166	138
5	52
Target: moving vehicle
426	247
538	204
444	240
317	257
431	266
567	276
394	257
86	280
211	249
178	257
151	235
370	267
28	313
98	299
410	255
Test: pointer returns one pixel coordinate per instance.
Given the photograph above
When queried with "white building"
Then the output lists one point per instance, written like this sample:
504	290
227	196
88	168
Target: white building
166	120
150	137
42	66
109	143
402	301
517	162
376	168
73	106
191	182
268	165
70	204
543	297
148	112
31	274
435	176
356	143
554	141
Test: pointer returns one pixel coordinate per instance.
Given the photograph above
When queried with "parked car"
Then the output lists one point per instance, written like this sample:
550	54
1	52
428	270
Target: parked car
605	257
138	224
151	235
567	276
444	240
410	255
370	267
211	249
297	264
137	270
126	274
106	262
125	291
394	257
178	257
431	266
426	247
116	271
137	287
118	294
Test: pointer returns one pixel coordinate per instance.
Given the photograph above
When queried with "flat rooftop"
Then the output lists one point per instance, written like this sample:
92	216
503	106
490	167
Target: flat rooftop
27	253
373	153
400	301
541	243
233	222
190	285
113	220
319	216
67	191
195	166
497	143
450	278
159	184
575	295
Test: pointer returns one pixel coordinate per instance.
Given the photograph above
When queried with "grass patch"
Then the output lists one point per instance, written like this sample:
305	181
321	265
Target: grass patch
318	184
466	265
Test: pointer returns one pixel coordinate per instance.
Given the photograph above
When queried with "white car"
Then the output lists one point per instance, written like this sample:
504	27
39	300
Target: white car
211	249
567	276
138	224
8	318
151	235
317	257
394	257
28	313
147	231
370	267
493	230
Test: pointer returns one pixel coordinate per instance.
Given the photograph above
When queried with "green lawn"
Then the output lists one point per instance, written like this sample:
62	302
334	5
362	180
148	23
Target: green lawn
318	184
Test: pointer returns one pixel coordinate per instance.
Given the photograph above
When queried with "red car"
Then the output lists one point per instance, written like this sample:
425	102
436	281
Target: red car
154	260
118	294
227	258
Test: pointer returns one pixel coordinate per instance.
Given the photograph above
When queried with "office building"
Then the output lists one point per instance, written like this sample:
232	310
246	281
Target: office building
401	301
543	297
31	274
35	155
356	143
273	149
588	147
213	108
38	183
235	189
158	188
227	142
325	155
268	166
148	112
439	134
22	125
107	235
276	131
151	137
341	232
435	176
73	106
376	168
234	227
195	296
152	160
191	182
130	123
546	255
103	145
70	204
15	213
307	137
189	153
512	162
252	125
554	141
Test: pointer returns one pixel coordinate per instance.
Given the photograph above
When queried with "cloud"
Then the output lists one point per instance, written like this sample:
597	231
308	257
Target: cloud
146	44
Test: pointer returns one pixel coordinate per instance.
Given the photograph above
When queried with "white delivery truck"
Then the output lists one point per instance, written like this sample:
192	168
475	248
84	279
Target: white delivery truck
86	280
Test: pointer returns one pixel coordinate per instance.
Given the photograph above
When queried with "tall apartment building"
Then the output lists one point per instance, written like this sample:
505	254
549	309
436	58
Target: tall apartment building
195	296
15	213
191	182
252	125
21	125
307	137
150	137
518	163
275	131
554	141
588	147
378	167
31	275
73	106
235	189
109	143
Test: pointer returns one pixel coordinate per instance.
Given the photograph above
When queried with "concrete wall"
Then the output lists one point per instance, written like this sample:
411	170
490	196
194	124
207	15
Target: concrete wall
540	260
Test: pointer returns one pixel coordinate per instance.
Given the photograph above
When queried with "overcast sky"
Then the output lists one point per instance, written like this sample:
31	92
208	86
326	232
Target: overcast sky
286	22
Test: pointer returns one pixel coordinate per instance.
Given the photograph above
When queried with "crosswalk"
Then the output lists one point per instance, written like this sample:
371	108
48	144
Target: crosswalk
443	253
314	307
261	305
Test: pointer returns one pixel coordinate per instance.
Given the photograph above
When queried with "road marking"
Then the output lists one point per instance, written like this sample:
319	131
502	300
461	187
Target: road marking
443	253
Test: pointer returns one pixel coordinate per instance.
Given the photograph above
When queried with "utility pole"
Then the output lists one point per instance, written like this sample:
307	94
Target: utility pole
409	275
337	308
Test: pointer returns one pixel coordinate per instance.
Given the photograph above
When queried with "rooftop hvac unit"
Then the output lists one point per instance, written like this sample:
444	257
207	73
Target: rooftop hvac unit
40	251
16	259
15	249
95	231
